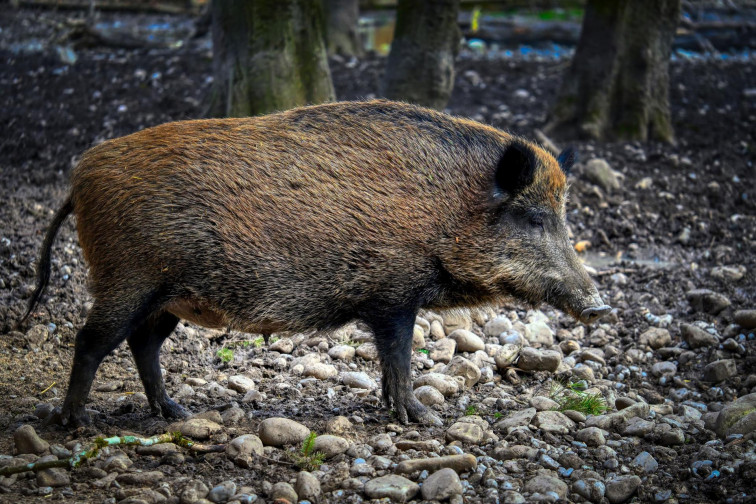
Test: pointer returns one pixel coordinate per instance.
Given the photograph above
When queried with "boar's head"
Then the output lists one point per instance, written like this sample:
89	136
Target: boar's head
521	246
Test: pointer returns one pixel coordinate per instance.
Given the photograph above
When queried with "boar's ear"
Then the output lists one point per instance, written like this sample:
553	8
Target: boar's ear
566	159
516	168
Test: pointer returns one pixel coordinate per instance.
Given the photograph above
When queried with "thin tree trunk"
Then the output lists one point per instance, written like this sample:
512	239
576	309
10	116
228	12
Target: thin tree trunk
617	86
268	55
420	67
342	18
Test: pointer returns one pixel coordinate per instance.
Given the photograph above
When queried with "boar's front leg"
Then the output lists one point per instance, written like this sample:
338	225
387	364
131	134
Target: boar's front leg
393	336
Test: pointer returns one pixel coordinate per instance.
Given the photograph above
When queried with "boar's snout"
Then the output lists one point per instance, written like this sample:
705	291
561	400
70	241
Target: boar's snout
594	313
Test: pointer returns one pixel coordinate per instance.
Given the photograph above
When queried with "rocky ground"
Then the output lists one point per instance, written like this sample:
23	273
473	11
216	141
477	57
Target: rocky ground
668	233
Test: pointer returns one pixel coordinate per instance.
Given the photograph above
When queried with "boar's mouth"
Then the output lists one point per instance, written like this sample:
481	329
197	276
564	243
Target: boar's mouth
594	313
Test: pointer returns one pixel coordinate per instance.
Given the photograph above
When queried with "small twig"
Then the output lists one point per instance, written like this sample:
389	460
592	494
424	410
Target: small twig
99	443
48	388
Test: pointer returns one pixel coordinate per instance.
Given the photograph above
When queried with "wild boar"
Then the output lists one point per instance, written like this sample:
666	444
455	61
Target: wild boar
311	218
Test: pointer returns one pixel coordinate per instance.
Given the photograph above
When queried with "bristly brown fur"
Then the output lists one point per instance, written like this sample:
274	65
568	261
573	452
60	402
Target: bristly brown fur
308	219
291	220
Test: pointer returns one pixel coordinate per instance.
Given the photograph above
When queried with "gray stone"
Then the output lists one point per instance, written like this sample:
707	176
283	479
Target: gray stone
506	355
592	436
621	488
429	395
279	431
539	332
707	301
542	403
655	337
532	359
283	490
666	435
445	384
418	337
720	370
193	491
646	462
320	370
465	432
307	487
496	326
282	345
590	488
575	416
664	368
443	350
232	415
368	351
442	485
437	330
638	427
222	492
467	341
146	478
697	337
157	450
53	477
330	445
729	273
553	421
618	419
546	482
117	462
338	425
240	383
342	352
469	372
520	418
746	319
512	497
504	452
598	171
737	417
358	379
27	440
241	449
198	428
395	488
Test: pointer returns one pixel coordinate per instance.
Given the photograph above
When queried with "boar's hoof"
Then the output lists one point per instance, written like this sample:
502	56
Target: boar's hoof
590	315
68	418
416	412
168	408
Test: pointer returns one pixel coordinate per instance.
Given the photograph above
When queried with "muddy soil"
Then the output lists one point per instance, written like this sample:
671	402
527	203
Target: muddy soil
680	214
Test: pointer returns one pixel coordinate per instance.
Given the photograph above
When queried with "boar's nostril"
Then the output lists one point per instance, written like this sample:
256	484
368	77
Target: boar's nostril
594	313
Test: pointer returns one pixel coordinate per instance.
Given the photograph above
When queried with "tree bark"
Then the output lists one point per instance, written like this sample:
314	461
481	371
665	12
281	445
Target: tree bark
420	67
617	86
268	55
342	18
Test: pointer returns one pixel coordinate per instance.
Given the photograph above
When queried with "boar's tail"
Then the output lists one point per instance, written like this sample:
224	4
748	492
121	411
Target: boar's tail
43	267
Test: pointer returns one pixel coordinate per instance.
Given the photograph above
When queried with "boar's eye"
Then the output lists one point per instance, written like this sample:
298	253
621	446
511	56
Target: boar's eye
536	221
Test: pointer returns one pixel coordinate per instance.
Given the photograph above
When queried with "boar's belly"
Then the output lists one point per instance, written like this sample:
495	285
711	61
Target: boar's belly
207	314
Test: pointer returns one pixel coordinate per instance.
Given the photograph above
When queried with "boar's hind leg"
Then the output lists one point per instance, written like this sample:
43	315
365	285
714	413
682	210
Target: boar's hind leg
109	323
145	345
393	337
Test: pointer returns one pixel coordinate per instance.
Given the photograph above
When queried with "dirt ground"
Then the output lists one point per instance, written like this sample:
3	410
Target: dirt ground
681	212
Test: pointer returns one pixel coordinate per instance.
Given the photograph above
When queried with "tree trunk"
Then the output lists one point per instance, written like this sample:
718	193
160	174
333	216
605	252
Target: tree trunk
268	55
420	67
342	18
617	86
